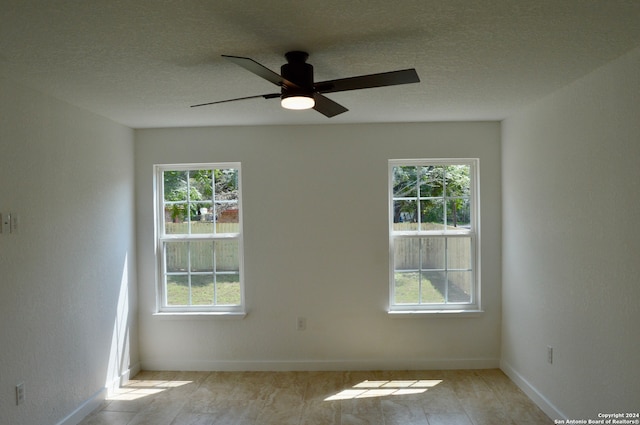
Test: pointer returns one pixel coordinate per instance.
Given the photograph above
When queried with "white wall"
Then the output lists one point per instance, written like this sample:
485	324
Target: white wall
67	278
316	245
571	213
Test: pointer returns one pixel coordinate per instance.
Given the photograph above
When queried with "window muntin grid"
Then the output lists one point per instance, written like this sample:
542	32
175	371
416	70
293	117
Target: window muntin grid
433	235
200	237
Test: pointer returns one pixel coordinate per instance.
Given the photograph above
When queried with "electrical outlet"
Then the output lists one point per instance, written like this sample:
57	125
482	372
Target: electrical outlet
6	223
301	323
549	354
20	394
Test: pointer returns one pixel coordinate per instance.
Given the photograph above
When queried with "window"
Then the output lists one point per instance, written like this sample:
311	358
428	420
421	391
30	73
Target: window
433	227
199	238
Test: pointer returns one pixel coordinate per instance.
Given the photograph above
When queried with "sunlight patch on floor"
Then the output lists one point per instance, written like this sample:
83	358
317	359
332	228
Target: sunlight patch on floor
136	389
366	389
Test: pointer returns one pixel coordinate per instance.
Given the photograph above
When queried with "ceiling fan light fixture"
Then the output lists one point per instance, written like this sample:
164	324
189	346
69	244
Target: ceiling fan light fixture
297	102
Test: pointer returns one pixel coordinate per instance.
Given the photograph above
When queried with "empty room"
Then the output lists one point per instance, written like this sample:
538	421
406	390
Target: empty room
319	213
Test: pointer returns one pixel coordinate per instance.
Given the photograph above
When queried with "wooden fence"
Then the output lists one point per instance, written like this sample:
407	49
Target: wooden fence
202	253
410	253
424	253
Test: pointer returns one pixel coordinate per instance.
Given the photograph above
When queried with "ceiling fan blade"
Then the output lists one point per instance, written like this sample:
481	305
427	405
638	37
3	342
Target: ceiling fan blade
392	78
327	107
260	70
265	96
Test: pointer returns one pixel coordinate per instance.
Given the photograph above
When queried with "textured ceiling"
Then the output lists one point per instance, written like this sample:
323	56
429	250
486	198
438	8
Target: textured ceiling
142	63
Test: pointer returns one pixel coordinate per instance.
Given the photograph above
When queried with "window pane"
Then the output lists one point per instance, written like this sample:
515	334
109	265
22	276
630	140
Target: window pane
175	219
201	256
175	185
226	184
227	217
405	182
202	289
405	215
459	287
458	213
407	288
226	196
228	289
227	256
457	180
200	185
459	253
433	284
433	253
432	211
203	221
406	253
176	256
431	181
177	290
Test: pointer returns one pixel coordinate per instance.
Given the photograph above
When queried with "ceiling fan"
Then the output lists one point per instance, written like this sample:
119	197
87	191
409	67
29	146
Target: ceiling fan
299	91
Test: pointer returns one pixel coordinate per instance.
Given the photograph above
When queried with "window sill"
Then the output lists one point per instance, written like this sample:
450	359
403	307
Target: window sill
435	313
170	315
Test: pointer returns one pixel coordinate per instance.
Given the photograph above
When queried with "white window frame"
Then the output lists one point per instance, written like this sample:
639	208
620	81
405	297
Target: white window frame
161	237
473	232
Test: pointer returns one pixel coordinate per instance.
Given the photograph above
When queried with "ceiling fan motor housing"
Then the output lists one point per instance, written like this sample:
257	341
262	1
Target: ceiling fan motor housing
299	72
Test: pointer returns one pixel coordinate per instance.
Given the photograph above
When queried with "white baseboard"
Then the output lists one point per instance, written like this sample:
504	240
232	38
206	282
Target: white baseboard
94	402
123	378
538	398
318	365
133	371
85	408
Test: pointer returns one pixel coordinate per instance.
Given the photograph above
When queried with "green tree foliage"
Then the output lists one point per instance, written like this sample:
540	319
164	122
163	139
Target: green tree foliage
184	189
432	191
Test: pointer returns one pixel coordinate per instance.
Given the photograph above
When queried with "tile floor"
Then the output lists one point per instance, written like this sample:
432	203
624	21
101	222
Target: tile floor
451	397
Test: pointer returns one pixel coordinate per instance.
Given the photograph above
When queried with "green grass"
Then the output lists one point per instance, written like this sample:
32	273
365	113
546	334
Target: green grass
202	293
407	290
